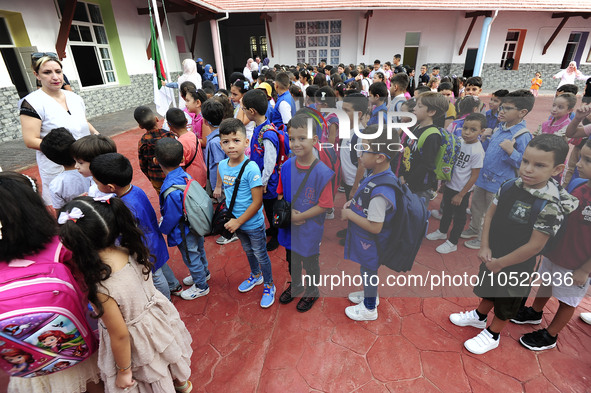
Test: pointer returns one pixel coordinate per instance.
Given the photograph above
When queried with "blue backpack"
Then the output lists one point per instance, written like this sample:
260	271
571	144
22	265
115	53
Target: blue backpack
411	223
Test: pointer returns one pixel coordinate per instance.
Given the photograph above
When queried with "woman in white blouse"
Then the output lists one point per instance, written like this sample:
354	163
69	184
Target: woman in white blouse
569	75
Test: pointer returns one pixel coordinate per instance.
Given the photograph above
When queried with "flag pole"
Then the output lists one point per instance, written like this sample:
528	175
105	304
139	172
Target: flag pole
162	46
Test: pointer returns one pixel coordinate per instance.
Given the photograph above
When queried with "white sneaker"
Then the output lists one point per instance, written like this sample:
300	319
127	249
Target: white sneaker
358	312
357	297
446	248
586	317
223	241
468	234
468	211
193	292
482	343
436	214
436	236
330	214
469	318
189	280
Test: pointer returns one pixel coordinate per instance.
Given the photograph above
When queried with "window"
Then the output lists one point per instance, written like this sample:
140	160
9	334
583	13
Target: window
574	47
5	38
258	46
318	40
512	49
90	46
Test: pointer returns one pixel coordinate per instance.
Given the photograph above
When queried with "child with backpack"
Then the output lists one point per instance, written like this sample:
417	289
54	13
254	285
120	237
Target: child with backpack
305	183
268	150
456	194
524	214
113	173
378	96
419	155
28	232
284	108
465	106
193	161
143	340
169	155
243	187
568	262
492	119
504	149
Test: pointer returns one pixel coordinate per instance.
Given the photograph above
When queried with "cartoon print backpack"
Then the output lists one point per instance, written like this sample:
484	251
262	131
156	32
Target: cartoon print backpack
43	325
448	152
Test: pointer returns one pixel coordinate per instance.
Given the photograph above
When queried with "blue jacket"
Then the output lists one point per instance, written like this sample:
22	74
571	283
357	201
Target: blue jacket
276	118
498	165
375	119
171	209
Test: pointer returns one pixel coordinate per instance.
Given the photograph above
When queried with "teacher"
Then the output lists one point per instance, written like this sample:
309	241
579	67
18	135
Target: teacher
47	108
569	75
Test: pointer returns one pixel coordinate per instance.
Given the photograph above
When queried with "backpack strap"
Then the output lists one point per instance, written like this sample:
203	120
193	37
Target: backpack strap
303	184
427	133
192	159
236	185
575	183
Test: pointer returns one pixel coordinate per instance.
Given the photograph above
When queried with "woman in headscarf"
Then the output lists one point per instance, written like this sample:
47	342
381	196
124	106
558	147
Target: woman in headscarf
190	74
569	75
208	75
247	71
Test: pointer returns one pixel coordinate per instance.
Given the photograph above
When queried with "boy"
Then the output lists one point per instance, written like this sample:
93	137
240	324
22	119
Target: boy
474	88
512	238
378	94
423	77
70	183
398	85
249	223
113	173
492	120
352	103
84	150
504	149
285	106
169	155
377	67
213	113
147	121
370	216
456	193
306	184
264	149
569	261
418	164
446	89
193	161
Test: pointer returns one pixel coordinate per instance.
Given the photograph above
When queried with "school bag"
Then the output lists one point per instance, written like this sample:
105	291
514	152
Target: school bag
43	325
281	131
197	206
447	154
410	225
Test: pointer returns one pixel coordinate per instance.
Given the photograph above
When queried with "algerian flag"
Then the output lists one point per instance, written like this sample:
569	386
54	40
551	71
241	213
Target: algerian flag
163	96
160	74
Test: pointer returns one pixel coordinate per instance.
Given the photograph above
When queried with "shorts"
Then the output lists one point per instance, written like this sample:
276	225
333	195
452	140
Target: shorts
568	294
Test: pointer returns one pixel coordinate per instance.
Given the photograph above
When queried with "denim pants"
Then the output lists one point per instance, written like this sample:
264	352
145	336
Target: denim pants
196	261
254	244
370	287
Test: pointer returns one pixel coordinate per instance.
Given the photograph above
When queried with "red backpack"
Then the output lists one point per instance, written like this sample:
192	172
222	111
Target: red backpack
283	153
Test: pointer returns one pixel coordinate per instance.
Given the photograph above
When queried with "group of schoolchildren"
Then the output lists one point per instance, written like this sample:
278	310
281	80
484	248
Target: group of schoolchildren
508	180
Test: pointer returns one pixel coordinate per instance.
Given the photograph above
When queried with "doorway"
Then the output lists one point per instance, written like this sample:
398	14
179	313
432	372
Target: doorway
12	64
411	49
470	63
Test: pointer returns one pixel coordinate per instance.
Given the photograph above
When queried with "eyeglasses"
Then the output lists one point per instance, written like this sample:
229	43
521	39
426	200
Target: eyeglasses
37	55
504	108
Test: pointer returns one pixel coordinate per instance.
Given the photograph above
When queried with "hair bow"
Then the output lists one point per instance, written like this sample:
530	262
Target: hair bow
73	215
104	198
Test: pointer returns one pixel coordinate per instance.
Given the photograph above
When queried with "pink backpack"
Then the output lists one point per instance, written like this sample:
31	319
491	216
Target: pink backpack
43	325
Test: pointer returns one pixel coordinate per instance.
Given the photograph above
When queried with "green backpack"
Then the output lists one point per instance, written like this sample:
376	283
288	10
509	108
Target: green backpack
447	154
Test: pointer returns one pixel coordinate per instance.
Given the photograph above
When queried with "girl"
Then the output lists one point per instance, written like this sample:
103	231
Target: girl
236	92
388	73
194	99
536	83
562	107
208	75
297	95
464	106
379	77
433	84
28	230
141	334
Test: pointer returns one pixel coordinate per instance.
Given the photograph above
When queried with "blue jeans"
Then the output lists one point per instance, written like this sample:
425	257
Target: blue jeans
196	261
254	244
370	287
160	283
171	279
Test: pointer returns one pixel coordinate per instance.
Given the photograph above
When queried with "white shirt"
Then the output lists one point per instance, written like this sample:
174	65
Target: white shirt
471	157
67	186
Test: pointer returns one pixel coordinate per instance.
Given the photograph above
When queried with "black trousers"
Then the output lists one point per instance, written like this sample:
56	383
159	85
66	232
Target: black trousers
268	206
455	213
311	264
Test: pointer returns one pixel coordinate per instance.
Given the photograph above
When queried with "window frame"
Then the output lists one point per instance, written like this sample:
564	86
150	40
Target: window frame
516	52
304	38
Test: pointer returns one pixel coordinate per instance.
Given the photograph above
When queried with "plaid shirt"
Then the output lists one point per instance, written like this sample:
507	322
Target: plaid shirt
146	154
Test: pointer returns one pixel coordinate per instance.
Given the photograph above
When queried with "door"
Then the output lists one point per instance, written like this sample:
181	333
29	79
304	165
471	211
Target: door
23	56
410	56
470	62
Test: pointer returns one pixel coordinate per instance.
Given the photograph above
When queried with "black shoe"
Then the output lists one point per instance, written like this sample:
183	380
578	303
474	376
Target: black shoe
273	244
306	303
528	315
342	242
342	233
538	340
287	296
269	232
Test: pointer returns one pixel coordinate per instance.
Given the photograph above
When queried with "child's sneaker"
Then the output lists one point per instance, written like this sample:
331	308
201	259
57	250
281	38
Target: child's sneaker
446	247
268	296
528	315
469	318
437	235
468	234
177	291
289	294
223	241
359	312
306	303
538	340
432	194
473	244
330	214
189	279
193	292
250	283
436	214
482	343
341	189
357	297
586	317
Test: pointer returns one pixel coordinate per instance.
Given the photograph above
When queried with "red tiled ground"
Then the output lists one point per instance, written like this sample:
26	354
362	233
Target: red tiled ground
412	347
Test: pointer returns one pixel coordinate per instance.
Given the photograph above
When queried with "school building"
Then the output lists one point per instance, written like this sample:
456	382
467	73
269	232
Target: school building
105	43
